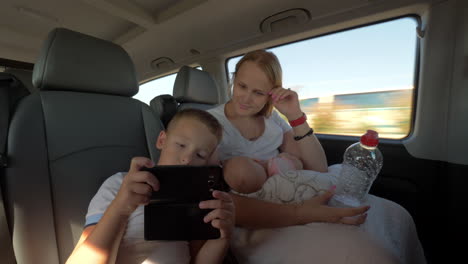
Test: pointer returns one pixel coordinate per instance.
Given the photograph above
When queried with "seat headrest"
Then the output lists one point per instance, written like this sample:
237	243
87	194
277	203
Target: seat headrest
165	107
71	61
195	86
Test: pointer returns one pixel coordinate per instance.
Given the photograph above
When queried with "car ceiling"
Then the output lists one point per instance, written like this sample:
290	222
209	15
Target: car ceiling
185	31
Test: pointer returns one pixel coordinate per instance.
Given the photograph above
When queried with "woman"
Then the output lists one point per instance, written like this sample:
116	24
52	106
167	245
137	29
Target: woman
252	136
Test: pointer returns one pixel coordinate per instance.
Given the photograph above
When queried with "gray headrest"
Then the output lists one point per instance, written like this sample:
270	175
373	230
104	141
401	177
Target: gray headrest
165	107
76	62
195	86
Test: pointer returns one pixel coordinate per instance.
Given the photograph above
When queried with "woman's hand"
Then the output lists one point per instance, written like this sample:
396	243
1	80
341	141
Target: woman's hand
223	215
137	187
316	210
287	102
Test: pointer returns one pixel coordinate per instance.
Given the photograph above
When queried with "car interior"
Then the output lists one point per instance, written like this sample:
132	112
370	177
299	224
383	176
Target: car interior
70	116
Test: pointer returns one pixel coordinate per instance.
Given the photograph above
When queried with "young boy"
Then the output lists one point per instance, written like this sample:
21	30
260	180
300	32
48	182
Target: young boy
114	224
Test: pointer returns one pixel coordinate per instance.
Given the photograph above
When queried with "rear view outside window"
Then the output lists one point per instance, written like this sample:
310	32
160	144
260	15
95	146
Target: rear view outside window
354	80
153	88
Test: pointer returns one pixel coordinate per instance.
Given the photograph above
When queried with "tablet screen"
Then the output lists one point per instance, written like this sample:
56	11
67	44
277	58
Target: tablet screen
173	212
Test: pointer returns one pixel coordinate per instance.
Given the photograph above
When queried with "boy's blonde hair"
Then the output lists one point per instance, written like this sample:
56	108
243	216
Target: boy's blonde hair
269	63
203	116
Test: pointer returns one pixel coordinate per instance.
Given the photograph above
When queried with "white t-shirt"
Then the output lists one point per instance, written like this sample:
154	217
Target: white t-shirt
133	247
263	148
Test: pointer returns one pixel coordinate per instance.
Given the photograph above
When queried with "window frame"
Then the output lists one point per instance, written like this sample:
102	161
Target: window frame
416	70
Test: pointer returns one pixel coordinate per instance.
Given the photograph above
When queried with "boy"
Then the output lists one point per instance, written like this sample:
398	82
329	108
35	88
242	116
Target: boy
114	223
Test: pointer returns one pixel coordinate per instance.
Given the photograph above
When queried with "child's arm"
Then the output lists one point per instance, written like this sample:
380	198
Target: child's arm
222	217
100	243
210	251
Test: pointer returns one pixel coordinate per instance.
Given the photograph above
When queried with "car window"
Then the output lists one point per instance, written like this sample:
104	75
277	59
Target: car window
153	88
354	80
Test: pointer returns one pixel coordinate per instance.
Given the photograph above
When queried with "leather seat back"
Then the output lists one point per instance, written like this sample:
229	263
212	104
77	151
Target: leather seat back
65	140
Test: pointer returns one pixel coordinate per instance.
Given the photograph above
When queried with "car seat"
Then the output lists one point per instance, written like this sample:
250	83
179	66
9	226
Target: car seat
193	88
81	127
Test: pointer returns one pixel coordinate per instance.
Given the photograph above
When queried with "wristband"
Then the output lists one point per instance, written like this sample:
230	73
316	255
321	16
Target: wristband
296	122
297	138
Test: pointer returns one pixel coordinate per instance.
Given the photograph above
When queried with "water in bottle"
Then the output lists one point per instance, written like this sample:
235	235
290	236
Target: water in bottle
362	162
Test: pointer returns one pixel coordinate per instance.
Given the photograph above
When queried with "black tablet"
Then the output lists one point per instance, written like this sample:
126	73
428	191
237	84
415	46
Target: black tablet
173	212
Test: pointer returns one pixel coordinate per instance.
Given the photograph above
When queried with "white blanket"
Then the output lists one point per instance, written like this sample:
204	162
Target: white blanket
388	235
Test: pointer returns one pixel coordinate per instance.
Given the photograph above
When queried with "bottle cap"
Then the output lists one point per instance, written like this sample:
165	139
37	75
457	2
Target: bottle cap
370	138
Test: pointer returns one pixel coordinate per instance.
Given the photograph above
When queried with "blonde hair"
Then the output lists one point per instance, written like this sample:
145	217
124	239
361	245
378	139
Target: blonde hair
203	116
269	64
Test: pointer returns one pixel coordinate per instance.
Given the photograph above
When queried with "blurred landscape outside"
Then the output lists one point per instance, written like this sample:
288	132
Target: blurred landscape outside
387	112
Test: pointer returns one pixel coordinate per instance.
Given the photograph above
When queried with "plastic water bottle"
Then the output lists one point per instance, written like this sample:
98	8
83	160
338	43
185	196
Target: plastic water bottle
362	162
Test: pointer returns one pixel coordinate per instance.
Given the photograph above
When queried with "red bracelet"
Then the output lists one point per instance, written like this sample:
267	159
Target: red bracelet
301	120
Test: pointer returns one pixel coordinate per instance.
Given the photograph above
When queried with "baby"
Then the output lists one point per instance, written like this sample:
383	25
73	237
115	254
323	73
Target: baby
282	163
239	177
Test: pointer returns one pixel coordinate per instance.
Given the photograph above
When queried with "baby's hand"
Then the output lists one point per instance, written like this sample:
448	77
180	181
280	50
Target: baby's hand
137	187
223	215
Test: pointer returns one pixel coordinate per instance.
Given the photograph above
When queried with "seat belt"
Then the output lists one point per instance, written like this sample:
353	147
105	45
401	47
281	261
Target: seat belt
6	246
5	82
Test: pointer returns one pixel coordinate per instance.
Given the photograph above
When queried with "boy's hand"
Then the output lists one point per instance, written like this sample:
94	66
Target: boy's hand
316	210
223	215
136	187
